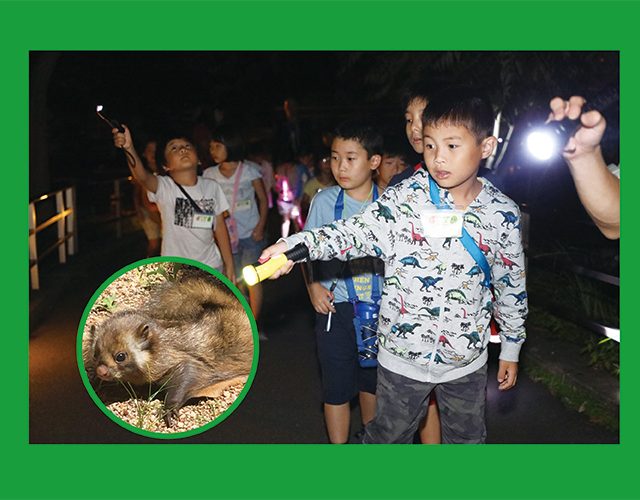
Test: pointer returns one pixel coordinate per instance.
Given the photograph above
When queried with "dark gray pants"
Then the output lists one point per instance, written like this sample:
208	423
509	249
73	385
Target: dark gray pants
401	404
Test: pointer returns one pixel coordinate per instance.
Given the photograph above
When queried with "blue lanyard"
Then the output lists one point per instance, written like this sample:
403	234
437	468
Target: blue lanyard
351	289
466	239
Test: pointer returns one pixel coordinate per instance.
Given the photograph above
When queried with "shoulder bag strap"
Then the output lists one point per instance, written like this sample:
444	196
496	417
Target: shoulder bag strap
351	290
236	183
193	203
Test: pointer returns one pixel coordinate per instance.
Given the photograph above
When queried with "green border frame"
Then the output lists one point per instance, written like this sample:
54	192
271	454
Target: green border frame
94	395
308	471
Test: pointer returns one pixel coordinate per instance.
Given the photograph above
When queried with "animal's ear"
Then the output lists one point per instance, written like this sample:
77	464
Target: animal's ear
144	335
143	331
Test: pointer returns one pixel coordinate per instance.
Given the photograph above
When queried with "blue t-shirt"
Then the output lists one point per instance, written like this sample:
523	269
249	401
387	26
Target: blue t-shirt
321	212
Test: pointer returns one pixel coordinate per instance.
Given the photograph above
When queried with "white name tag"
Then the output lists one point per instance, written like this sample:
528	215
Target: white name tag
202	221
442	223
243	205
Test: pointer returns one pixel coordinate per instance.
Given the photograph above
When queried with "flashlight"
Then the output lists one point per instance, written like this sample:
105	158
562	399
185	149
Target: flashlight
550	139
255	273
111	122
546	141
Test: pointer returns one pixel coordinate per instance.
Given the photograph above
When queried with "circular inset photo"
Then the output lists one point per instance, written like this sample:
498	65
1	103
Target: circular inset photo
167	347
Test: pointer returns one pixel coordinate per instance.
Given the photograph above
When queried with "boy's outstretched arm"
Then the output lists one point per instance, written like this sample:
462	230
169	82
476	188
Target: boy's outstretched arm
598	189
123	140
361	235
273	251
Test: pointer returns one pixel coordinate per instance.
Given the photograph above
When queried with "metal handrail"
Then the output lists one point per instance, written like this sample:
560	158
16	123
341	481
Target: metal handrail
66	221
607	331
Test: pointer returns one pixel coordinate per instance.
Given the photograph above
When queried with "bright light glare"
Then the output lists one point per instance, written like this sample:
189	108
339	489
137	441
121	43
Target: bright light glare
612	333
542	145
250	275
99	108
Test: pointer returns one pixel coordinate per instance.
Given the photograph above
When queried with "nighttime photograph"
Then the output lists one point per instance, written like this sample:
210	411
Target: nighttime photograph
434	233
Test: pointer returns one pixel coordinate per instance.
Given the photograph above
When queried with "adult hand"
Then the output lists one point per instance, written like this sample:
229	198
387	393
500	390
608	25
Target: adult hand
587	139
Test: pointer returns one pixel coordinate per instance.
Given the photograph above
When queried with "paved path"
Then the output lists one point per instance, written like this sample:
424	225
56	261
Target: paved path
283	405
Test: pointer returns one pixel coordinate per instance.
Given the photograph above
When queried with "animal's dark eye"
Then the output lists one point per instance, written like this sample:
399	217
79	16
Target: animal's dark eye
120	357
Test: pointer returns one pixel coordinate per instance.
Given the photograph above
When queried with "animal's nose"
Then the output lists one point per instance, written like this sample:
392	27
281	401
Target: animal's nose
102	371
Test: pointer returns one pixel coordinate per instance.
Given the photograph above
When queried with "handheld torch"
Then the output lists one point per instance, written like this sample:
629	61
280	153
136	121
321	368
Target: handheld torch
255	273
110	121
547	141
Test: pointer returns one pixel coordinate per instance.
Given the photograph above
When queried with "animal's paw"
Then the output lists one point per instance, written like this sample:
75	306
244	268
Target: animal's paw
170	415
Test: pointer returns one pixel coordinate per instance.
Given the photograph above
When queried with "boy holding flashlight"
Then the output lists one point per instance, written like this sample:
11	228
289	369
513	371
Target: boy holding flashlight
445	237
334	286
191	207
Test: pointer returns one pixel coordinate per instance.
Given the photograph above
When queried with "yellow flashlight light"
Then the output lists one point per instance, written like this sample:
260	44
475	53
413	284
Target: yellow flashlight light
255	273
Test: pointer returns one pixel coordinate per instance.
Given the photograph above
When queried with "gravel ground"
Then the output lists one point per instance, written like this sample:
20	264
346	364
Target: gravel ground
147	415
131	291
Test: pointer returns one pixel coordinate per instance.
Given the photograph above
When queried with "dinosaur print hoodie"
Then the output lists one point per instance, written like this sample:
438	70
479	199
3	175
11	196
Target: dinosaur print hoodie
435	311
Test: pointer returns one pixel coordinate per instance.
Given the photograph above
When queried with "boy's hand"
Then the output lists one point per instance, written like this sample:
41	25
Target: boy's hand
122	140
321	298
587	139
507	374
272	251
257	234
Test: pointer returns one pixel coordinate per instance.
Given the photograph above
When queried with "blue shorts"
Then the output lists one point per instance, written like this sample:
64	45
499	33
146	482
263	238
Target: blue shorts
248	252
342	376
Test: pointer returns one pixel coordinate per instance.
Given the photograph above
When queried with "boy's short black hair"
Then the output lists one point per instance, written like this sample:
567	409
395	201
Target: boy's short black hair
362	132
232	140
394	145
463	106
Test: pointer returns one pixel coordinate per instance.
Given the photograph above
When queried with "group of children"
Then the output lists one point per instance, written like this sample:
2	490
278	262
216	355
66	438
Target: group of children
453	259
217	218
432	251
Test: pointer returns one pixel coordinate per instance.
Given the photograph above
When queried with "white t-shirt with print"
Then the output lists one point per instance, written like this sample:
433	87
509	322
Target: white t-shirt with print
179	238
245	211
